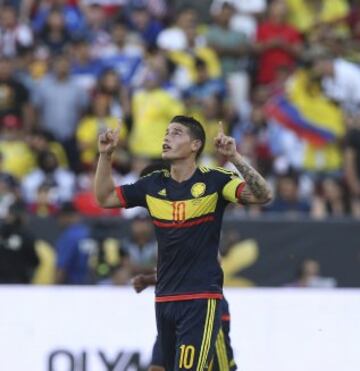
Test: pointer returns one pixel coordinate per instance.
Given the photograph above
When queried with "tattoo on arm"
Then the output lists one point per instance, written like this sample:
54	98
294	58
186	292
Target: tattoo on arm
256	190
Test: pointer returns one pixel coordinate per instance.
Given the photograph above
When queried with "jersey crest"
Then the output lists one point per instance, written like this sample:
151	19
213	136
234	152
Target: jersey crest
198	189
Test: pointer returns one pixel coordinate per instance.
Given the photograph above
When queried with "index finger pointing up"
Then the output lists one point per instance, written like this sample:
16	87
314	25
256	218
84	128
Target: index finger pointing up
221	128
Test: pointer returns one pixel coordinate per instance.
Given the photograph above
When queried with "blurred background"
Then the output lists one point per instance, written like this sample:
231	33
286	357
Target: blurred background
282	75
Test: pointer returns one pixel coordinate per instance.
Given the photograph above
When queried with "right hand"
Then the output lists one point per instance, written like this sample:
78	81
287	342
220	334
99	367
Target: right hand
139	283
108	141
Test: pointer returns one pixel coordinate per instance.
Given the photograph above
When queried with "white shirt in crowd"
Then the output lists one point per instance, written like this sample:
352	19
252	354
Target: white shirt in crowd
62	190
344	85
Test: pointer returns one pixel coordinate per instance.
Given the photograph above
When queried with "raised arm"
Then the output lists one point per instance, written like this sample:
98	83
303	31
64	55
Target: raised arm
105	192
256	190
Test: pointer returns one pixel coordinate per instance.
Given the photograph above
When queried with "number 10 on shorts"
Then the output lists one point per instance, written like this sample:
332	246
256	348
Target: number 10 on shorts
187	355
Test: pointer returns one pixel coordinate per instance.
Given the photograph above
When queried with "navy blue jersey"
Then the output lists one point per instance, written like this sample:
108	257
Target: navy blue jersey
187	217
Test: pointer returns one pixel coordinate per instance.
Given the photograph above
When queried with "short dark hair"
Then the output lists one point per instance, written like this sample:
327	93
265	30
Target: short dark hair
196	130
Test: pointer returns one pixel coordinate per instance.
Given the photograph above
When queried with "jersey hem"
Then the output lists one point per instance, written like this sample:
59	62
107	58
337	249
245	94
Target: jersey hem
186	224
184	297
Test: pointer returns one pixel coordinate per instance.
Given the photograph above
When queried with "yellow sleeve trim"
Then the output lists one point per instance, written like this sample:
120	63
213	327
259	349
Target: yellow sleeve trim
229	190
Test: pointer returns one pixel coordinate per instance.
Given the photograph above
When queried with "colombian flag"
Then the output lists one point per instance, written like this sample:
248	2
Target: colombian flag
306	111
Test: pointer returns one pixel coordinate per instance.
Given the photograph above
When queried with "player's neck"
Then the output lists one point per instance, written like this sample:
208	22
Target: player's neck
182	170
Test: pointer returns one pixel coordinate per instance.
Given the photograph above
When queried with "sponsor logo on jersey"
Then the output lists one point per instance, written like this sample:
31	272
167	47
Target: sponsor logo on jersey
162	192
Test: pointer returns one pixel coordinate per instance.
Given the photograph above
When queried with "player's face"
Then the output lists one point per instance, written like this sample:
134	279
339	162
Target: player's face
177	143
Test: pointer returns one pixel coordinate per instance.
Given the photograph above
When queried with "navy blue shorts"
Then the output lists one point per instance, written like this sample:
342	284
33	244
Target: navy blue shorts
156	357
224	355
223	359
187	332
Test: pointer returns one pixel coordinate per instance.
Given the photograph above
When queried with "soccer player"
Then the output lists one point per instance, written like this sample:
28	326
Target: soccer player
186	204
224	355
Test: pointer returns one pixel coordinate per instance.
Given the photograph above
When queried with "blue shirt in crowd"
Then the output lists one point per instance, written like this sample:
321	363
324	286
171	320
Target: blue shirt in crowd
74	248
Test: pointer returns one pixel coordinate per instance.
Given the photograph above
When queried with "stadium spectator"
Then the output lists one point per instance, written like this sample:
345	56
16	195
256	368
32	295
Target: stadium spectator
143	23
43	205
14	36
152	110
311	15
233	49
340	80
138	251
41	141
173	37
61	181
140	247
96	28
60	103
18	257
111	85
17	158
123	41
157	8
309	275
85	69
202	8
54	35
204	85
98	120
74	20
278	44
14	96
331	199
74	247
195	47
245	16
287	199
31	66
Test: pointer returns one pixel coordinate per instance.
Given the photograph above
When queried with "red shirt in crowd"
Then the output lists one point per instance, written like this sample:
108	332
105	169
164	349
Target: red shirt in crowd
273	58
86	204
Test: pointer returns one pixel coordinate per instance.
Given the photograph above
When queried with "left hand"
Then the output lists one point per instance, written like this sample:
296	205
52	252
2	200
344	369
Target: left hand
139	283
224	144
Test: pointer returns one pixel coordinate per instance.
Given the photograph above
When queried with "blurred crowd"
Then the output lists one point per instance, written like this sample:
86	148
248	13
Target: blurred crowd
282	75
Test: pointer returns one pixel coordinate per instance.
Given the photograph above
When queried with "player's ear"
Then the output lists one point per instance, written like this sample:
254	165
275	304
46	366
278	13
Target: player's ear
196	145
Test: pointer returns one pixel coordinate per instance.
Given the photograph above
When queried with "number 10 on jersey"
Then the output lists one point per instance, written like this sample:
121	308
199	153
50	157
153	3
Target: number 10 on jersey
178	211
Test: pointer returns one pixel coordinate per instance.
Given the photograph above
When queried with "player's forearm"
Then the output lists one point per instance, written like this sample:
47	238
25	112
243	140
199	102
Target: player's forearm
104	185
255	183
